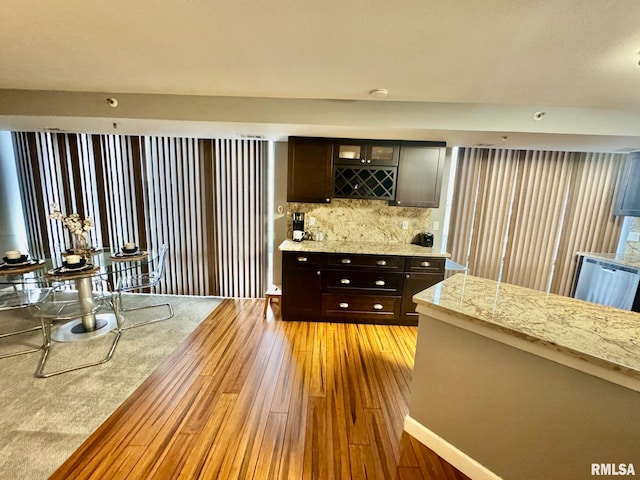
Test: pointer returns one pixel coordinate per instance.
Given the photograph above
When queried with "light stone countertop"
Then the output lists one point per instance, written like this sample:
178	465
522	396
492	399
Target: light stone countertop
606	337
624	260
400	249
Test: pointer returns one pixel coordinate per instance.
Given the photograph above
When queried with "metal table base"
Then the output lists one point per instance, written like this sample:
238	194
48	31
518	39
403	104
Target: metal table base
75	330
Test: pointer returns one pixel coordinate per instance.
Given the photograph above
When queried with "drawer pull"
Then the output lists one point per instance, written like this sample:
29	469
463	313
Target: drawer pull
380	283
382	263
425	264
345	281
303	259
344	305
345	260
378	306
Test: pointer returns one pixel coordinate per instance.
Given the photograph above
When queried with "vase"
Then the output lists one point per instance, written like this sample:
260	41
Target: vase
80	246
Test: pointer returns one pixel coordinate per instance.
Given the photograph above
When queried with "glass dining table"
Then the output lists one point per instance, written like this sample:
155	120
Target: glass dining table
103	266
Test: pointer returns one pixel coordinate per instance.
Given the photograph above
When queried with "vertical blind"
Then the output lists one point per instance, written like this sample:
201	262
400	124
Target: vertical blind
206	199
521	216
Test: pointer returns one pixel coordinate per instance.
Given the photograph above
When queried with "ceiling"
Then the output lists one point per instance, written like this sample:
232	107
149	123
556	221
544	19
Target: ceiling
462	71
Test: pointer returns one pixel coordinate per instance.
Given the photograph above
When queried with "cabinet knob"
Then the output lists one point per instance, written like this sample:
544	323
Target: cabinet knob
344	305
318	272
380	283
425	264
328	200
345	281
377	306
345	260
407	276
382	263
398	202
303	259
362	160
368	161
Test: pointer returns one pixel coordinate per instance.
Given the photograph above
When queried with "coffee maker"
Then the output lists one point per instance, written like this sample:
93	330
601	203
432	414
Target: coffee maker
298	226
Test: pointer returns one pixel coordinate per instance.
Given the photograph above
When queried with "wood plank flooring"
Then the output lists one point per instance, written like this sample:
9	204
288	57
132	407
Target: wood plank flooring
251	398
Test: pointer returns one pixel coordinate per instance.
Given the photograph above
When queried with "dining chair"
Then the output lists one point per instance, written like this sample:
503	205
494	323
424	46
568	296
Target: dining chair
28	294
63	306
142	281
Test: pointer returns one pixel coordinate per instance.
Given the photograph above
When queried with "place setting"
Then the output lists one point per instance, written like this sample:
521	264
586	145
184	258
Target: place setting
15	261
128	252
73	264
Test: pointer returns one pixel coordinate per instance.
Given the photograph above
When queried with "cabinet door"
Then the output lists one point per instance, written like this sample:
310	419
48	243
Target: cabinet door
301	289
419	176
310	176
366	153
414	283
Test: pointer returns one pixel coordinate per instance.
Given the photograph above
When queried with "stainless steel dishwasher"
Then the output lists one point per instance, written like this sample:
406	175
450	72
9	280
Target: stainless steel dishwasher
607	283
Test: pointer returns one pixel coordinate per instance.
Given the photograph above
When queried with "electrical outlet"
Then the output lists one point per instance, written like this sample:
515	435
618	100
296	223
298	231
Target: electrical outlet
633	237
312	221
436	226
405	224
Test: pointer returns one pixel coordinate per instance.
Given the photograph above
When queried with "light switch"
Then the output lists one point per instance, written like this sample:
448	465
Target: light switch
312	221
405	224
436	226
633	237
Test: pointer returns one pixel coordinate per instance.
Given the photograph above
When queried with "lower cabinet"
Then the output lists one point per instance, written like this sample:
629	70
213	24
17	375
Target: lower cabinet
414	283
302	282
355	287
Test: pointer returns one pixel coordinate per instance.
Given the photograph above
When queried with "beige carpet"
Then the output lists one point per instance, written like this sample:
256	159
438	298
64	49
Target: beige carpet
43	421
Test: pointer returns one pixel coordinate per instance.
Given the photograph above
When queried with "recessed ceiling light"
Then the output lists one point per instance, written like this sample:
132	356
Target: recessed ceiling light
379	93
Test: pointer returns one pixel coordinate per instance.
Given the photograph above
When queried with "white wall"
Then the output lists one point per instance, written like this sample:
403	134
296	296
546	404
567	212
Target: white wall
12	230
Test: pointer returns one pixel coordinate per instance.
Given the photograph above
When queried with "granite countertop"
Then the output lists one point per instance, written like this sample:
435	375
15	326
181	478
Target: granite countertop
604	336
370	248
624	260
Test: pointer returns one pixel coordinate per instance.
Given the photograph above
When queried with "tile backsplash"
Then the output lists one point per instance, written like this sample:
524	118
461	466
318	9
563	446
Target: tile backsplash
362	220
633	248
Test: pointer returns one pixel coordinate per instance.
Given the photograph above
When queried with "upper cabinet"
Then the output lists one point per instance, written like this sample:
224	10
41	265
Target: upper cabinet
419	175
401	172
628	199
366	152
310	176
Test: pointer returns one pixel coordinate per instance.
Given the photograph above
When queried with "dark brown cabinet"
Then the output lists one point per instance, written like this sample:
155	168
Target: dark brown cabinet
310	176
302	280
358	288
419	175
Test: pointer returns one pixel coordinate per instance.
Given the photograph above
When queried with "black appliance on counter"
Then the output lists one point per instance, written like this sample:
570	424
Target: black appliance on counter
425	239
298	226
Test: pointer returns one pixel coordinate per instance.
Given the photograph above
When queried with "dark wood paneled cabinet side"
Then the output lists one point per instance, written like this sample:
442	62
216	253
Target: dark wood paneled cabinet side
419	176
301	286
310	176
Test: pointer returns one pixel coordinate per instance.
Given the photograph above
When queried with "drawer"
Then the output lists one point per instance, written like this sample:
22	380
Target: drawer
363	282
377	262
301	259
424	264
380	307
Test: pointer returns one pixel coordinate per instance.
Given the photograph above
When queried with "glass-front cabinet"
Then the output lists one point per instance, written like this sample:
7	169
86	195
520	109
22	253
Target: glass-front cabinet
367	153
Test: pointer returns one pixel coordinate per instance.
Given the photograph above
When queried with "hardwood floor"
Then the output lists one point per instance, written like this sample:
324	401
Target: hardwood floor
244	397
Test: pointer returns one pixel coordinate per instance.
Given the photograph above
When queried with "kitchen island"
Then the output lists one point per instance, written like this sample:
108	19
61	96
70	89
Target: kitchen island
363	282
511	382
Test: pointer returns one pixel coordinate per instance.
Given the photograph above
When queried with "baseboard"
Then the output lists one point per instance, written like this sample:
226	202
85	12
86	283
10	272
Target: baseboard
448	452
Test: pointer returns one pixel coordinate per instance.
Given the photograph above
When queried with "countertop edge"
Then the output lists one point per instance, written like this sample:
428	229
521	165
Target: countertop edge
361	248
592	365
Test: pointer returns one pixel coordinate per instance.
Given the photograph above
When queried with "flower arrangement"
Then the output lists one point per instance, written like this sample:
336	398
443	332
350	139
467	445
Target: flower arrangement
77	226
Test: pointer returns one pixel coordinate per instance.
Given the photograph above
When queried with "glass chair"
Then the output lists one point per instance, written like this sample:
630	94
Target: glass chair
63	306
136	282
27	294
